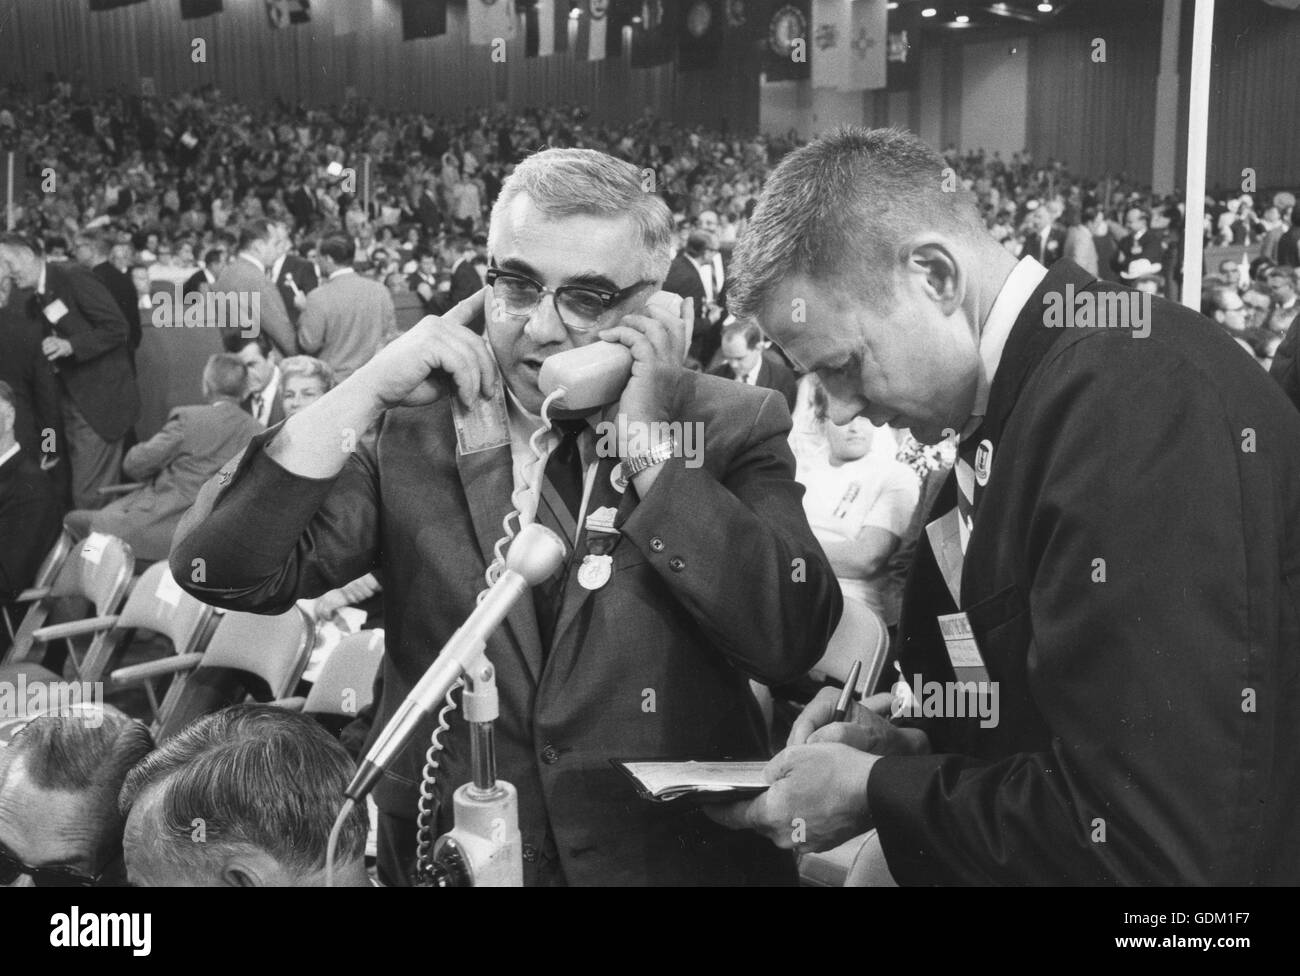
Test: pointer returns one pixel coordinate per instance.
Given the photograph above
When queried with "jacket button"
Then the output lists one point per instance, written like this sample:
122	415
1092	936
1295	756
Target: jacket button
677	564
550	755
657	544
530	853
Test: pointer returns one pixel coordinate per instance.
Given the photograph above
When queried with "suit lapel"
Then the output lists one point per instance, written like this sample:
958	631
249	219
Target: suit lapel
488	480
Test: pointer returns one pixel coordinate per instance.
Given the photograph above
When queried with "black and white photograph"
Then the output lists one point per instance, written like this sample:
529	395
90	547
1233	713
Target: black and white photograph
621	444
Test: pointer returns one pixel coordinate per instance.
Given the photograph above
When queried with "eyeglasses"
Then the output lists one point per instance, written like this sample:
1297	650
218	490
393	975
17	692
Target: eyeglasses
579	307
11	869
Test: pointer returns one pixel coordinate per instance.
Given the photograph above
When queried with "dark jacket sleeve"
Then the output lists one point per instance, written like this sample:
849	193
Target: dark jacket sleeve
739	556
1139	676
93	303
258	537
1286	365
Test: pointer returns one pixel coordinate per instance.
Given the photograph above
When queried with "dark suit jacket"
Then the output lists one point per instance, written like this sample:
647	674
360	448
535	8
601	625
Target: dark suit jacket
1286	365
277	406
684	281
304	276
97	376
1049	252
30	521
173	464
122	289
1150	246
1288	248
675	627
195	283
772	375
24	367
465	281
1133	583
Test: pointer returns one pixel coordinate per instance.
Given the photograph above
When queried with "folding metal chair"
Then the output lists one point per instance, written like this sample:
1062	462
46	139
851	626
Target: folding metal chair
346	681
97	571
40	587
248	653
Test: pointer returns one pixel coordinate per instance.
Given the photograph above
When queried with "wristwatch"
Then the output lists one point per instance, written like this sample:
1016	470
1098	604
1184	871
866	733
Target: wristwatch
637	463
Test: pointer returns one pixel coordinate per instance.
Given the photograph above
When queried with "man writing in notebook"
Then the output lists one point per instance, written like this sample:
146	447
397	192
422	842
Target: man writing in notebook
643	646
1116	557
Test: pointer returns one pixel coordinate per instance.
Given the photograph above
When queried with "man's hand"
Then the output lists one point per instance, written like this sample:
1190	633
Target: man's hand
55	348
658	337
435	357
818	799
868	727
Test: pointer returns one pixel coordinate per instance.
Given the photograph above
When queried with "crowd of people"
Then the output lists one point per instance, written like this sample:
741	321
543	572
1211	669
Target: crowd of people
340	231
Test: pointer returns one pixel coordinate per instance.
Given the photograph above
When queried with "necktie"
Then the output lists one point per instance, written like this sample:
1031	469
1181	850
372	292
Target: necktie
564	472
966	487
257	406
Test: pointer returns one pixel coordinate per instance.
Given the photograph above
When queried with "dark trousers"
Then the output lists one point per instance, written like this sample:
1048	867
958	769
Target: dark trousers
95	462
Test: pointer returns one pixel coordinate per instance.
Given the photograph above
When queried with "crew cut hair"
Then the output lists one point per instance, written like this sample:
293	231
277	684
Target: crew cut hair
569	182
258	777
841	210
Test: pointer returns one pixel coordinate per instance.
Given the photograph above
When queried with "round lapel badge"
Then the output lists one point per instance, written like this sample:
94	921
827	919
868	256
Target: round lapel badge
983	462
595	571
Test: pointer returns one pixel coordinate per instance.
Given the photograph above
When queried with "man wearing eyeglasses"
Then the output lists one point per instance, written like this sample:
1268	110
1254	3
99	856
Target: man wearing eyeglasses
59	780
683	581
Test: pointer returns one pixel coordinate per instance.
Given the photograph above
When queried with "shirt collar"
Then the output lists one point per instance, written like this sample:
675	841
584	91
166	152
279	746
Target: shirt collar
342	271
8	454
279	263
1016	291
40	282
752	376
252	260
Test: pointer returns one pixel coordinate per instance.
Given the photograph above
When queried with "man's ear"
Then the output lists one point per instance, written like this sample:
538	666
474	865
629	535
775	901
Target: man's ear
944	281
249	869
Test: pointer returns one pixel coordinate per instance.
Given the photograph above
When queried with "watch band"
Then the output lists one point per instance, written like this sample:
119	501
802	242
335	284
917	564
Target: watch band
637	463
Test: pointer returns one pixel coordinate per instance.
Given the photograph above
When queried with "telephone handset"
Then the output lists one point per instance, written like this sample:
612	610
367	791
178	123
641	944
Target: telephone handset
593	375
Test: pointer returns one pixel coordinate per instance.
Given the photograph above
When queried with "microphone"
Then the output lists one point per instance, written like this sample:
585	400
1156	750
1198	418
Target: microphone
534	556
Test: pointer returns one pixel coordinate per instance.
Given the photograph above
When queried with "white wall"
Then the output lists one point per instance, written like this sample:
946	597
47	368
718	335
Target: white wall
995	96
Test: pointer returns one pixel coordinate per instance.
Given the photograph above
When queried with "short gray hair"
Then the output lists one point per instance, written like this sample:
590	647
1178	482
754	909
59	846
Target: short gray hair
840	208
568	182
308	367
225	374
258	777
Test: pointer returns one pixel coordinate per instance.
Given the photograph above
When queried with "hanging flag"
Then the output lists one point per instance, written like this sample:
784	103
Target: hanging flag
830	43
423	18
652	38
786	56
194	9
97	5
490	20
546	28
868	45
903	51
282	13
699	37
600	30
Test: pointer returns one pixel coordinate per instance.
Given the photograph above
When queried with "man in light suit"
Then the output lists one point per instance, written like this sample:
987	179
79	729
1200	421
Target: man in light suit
86	343
657	613
261	242
348	318
173	464
745	360
1091	693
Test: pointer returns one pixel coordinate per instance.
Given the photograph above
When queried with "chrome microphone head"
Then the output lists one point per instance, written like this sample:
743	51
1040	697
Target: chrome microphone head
536	554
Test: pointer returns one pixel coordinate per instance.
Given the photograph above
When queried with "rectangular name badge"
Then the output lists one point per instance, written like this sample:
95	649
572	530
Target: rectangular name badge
963	652
55	311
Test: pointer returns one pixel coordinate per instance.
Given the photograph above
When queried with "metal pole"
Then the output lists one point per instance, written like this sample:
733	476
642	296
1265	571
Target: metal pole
1198	118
